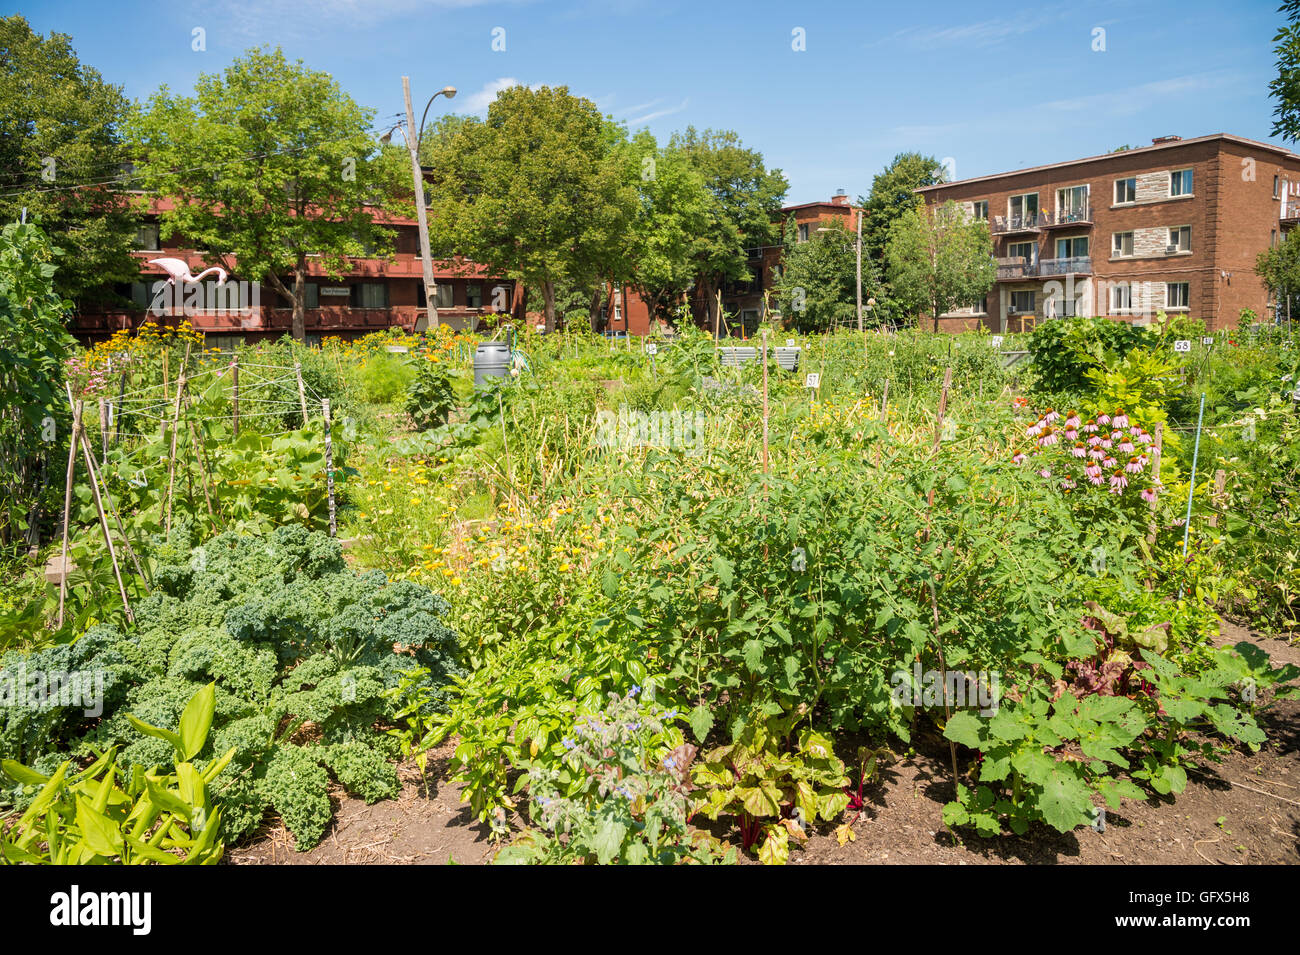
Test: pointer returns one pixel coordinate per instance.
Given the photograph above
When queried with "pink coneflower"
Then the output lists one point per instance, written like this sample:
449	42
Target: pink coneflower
1121	419
1049	438
1079	450
1134	466
1125	447
1049	416
1118	481
1071	434
1045	472
1144	437
1103	419
1072	419
1117	435
1149	495
1095	477
1096	454
1107	443
1034	430
1091	426
1109	463
1019	458
1094	440
1067	484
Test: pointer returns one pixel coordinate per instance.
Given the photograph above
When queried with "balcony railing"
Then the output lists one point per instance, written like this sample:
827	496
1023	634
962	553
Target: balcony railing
1066	217
1011	269
1025	223
1290	210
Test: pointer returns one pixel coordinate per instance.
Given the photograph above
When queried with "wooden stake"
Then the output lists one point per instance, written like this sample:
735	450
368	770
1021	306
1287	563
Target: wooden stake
1156	450
103	522
121	397
234	394
329	464
302	394
884	399
117	520
199	457
103	429
67	507
171	459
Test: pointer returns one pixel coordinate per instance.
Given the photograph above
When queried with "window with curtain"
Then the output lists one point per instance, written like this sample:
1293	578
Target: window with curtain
1177	294
1072	202
1126	190
1181	238
370	295
444	297
1180	182
1123	243
1073	247
473	294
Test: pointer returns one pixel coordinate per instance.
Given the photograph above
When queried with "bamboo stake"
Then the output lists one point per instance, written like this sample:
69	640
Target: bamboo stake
302	394
234	395
103	429
329	465
765	409
199	457
884	399
67	508
103	522
1156	450
121	397
1220	479
99	481
171	459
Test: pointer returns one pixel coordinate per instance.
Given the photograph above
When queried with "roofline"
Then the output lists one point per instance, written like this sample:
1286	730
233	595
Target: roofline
1152	148
810	205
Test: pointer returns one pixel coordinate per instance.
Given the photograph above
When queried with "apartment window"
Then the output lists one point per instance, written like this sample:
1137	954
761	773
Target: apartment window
311	295
146	237
1072	203
1177	295
1122	244
473	294
1021	250
981	210
444	295
142	294
1180	238
370	295
1275	185
1180	182
1074	247
1121	298
1022	301
1126	190
803	232
1023	209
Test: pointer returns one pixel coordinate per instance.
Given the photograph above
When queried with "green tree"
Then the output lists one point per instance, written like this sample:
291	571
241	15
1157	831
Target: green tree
272	166
672	212
539	191
61	154
1279	266
939	260
1285	87
817	286
744	198
893	192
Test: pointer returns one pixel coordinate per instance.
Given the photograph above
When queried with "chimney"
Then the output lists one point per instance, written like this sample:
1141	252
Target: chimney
841	198
1165	139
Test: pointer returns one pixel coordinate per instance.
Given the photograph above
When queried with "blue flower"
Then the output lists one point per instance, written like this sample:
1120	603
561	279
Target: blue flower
635	690
568	743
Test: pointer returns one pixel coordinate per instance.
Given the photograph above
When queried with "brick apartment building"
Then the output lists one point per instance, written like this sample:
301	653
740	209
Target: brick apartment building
1173	227
376	293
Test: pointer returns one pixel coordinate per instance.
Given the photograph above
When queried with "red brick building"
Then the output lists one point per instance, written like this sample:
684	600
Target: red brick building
1173	227
376	293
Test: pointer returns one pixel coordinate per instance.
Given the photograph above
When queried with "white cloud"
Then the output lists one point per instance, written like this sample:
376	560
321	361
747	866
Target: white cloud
657	114
479	102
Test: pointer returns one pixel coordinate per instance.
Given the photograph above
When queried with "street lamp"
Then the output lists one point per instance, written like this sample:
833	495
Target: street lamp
412	137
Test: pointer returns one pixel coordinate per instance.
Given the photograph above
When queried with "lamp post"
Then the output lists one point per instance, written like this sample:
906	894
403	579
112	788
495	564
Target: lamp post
412	137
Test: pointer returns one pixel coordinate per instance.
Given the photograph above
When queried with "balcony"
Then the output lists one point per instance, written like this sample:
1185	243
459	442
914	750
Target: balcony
1009	225
1290	213
1016	269
1066	218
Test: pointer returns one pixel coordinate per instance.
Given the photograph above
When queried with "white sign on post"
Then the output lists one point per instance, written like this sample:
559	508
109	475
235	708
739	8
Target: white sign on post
652	349
1183	344
814	380
1207	340
789	343
997	341
541	328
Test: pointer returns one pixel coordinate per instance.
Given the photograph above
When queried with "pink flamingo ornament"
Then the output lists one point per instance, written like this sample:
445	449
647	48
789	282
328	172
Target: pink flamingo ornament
178	270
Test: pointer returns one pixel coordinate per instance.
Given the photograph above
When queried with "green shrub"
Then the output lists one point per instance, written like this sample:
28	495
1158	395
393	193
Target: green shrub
383	378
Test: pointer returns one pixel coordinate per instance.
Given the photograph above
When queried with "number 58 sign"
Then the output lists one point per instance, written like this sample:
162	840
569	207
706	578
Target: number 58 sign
1183	345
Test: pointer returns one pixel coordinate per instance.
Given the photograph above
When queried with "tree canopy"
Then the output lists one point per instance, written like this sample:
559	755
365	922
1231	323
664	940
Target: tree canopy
62	155
893	192
269	163
939	260
817	287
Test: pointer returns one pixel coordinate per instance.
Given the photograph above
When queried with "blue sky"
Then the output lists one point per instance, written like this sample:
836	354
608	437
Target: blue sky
989	86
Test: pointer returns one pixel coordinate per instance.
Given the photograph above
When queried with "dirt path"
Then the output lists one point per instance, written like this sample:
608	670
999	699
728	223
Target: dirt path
1244	810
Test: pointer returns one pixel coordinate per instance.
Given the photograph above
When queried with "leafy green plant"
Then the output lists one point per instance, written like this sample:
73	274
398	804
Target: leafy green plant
430	397
90	816
776	794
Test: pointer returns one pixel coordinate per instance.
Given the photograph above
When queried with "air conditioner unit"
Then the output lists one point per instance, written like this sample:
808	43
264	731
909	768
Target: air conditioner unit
1170	249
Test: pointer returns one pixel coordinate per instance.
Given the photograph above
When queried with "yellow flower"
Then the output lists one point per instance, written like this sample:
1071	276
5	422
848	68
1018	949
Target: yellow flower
564	567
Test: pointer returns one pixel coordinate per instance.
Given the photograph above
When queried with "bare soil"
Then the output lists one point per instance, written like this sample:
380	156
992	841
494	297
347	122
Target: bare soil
1244	810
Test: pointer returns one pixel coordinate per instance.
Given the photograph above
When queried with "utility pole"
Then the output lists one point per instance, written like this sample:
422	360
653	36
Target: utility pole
413	144
858	249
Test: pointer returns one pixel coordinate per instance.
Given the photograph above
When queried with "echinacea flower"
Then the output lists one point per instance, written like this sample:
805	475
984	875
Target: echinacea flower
1072	419
1067	484
1071	434
1103	419
1118	481
1094	440
1121	419
1019	458
1090	426
1049	416
1096	454
1034	430
1048	438
1125	447
1079	450
1134	466
1149	495
1045	472
1109	463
